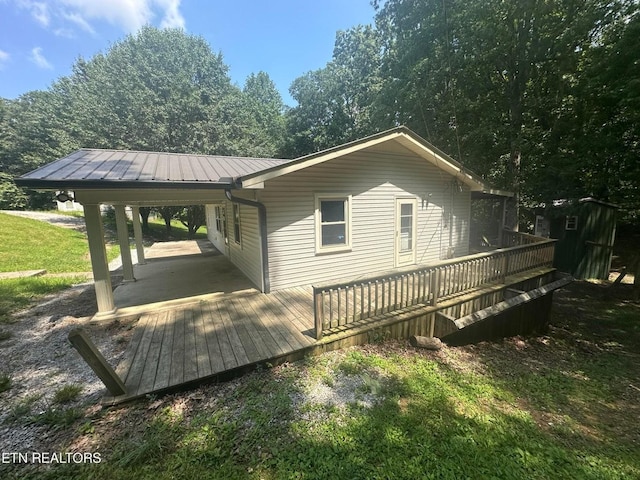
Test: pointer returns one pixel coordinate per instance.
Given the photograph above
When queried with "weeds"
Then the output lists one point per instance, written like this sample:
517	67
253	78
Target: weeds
5	382
67	393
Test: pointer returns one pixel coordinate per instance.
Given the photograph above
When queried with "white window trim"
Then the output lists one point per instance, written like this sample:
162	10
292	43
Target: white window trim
571	219
320	249
217	213
238	240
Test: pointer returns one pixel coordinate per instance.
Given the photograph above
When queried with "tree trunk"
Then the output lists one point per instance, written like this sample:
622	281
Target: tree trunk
144	216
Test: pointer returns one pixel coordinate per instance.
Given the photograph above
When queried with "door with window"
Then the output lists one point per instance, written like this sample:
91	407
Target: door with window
405	231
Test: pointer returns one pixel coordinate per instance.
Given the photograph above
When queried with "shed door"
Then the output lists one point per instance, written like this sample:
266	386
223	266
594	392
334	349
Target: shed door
405	251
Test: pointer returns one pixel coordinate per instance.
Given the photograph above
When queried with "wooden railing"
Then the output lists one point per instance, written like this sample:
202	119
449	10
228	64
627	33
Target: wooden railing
514	239
340	305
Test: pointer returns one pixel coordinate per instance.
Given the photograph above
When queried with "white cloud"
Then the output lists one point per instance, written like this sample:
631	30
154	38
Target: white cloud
129	15
79	21
172	16
4	58
38	10
39	60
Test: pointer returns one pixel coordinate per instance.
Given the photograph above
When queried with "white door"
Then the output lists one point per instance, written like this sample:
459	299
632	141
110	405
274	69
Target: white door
405	251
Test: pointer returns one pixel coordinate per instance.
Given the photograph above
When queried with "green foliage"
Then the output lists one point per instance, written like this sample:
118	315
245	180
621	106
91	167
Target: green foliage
192	217
58	418
12	197
5	382
67	394
27	244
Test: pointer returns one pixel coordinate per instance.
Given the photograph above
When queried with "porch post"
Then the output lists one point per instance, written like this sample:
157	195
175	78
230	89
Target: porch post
123	240
137	234
99	264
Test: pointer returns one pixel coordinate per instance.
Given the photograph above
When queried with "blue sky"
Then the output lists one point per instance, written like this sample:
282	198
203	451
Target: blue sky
41	39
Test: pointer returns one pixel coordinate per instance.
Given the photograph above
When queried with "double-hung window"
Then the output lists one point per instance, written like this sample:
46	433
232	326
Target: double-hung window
333	223
236	223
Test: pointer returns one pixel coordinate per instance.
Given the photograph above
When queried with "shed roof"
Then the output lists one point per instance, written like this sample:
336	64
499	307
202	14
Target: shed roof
91	167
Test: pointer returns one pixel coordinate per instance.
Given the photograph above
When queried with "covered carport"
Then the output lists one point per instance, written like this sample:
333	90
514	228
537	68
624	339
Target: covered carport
129	178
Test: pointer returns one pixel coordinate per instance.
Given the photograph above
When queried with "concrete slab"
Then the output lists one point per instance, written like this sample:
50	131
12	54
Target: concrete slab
180	272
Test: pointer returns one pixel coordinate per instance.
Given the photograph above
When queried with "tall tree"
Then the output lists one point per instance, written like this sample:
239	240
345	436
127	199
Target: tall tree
265	112
336	103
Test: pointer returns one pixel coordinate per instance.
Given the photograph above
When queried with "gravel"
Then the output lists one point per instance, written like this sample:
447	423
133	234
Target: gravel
40	360
65	221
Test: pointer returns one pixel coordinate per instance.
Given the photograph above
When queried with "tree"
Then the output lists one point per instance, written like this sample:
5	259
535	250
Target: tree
336	103
193	217
265	110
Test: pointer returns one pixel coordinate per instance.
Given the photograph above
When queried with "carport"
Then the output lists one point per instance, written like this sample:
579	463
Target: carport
129	178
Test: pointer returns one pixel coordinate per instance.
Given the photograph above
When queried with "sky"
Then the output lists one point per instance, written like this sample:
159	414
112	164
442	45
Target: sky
41	39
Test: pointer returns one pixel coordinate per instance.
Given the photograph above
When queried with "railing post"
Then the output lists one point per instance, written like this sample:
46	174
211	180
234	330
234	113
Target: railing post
505	266
435	286
318	311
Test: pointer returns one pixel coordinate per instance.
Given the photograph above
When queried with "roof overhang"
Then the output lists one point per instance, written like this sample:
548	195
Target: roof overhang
37	184
401	135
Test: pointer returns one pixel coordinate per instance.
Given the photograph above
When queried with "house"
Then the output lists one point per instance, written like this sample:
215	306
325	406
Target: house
369	235
381	203
585	230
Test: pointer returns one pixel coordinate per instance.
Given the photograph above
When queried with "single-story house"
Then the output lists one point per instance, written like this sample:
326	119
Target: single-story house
385	202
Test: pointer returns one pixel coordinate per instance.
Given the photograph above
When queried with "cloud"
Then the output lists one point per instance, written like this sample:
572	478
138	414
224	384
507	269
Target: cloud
39	60
4	58
129	15
79	21
38	10
172	16
63	17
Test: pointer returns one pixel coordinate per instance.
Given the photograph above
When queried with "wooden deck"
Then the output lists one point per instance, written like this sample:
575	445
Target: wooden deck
213	339
218	337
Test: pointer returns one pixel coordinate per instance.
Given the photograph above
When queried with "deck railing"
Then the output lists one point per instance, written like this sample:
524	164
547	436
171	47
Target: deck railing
340	305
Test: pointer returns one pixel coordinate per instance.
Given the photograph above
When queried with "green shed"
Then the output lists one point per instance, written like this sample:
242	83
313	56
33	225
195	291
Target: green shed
585	230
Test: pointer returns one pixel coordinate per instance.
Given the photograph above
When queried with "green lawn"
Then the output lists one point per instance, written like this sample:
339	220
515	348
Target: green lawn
561	406
178	230
27	244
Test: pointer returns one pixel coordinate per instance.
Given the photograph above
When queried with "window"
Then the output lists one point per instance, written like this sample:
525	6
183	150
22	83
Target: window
236	222
571	223
406	227
333	223
218	211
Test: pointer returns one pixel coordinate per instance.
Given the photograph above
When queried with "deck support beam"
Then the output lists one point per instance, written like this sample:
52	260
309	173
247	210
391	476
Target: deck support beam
137	234
123	240
99	264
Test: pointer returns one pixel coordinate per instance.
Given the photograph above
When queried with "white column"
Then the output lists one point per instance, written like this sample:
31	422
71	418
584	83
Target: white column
99	264
137	234
123	240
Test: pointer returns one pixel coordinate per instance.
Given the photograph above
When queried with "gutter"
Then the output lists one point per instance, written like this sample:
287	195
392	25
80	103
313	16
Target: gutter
262	221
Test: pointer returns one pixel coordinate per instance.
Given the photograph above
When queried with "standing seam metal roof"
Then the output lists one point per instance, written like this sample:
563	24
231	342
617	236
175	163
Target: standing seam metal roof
118	168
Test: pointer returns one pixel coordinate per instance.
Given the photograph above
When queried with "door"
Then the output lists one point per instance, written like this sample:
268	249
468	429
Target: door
405	249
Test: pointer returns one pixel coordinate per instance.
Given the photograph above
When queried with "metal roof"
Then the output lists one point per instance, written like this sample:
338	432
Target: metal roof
130	169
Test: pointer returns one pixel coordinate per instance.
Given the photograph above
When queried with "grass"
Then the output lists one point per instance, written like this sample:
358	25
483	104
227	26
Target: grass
67	394
157	230
27	244
19	293
558	406
5	382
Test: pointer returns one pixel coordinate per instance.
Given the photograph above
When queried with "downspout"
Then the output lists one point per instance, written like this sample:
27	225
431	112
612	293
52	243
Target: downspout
262	222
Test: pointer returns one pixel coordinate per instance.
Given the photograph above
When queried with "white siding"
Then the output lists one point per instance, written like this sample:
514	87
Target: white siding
374	179
215	237
246	255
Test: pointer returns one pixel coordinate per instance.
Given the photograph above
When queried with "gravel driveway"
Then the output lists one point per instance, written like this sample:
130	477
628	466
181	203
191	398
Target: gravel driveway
66	221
